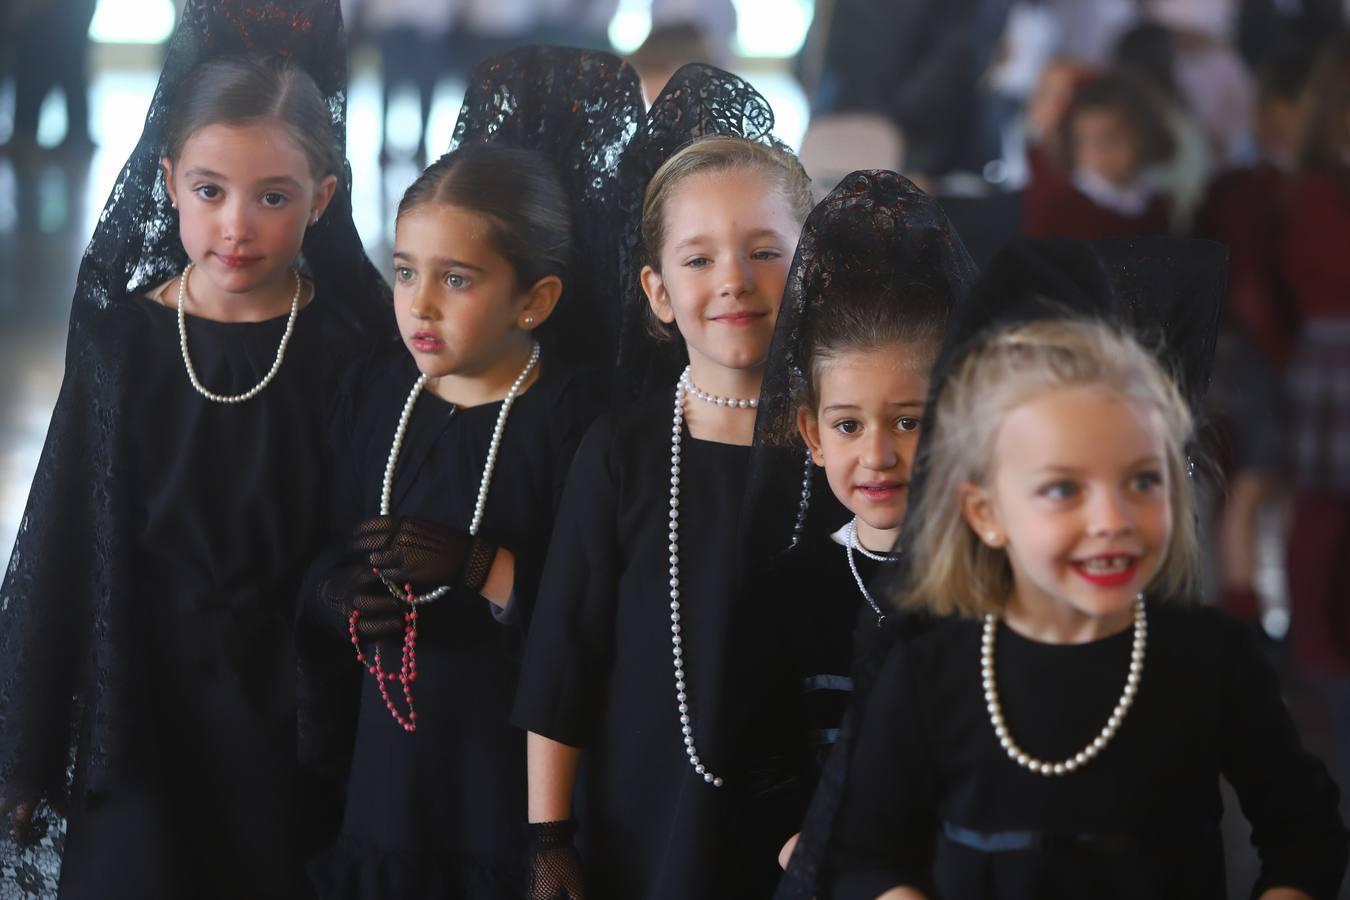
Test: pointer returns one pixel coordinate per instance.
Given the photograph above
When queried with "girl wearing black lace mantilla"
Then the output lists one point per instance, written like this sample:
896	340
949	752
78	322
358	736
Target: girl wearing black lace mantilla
146	672
451	449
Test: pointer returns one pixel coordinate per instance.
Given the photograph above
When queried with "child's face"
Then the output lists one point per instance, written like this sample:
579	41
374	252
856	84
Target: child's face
728	244
245	194
1079	500
459	308
1104	144
865	429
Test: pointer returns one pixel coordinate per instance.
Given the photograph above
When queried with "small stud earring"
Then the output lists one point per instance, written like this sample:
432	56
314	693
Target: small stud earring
529	320
990	537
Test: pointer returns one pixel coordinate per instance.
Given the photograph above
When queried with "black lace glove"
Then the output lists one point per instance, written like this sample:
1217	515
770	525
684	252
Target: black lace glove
353	586
554	867
423	554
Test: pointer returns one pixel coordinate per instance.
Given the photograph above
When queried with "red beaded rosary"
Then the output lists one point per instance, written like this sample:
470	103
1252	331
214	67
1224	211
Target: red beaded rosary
406	675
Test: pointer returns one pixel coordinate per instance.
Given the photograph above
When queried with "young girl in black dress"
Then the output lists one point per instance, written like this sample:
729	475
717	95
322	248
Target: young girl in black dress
629	656
451	450
148	608
1058	728
877	271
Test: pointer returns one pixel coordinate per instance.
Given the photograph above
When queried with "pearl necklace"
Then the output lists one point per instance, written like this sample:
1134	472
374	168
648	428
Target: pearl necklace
682	390
729	402
1087	754
387	486
408	673
850	544
187	360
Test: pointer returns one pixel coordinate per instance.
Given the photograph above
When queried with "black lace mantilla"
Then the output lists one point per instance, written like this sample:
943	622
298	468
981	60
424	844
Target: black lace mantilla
1168	293
579	109
699	100
874	234
62	603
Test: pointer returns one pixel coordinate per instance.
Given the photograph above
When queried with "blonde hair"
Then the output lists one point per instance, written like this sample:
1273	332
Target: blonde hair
954	571
708	155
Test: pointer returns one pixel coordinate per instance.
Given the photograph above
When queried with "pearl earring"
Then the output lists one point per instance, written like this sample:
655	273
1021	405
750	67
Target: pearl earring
529	320
990	537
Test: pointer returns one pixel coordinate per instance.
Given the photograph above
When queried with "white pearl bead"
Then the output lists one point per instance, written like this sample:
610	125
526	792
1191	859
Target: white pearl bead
1113	724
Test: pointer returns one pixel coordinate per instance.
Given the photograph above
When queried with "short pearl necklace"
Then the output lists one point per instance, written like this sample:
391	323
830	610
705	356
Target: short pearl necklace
1086	755
850	544
408	673
187	360
729	402
684	389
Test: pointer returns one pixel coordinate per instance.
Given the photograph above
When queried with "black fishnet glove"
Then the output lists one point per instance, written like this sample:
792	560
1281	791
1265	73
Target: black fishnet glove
423	554
554	867
354	586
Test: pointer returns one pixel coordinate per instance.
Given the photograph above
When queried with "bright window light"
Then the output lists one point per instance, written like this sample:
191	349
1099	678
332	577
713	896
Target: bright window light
773	28
630	26
132	22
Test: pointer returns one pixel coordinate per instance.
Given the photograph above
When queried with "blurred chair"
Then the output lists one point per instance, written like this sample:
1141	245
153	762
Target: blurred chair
840	143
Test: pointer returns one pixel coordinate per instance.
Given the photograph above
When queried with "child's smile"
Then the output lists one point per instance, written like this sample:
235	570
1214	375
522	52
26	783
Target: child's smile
1079	501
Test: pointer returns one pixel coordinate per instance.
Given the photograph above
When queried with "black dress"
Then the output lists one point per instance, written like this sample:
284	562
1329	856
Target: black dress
440	813
814	598
934	802
217	513
598	671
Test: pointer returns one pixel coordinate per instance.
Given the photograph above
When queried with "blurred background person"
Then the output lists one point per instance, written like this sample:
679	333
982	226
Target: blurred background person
1148	50
1317	264
51	44
413	37
666	48
1112	131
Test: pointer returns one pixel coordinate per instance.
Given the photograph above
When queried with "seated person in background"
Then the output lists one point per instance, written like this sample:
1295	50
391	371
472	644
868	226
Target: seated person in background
1113	131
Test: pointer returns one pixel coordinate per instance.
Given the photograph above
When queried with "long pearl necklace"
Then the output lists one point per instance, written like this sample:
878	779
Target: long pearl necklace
408	672
187	360
851	543
684	389
1098	744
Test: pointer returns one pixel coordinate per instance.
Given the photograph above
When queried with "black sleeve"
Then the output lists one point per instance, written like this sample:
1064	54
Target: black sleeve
329	678
1285	792
888	817
579	403
570	646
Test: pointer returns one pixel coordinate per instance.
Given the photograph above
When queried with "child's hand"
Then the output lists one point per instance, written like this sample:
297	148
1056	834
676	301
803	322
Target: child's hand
353	587
555	868
420	553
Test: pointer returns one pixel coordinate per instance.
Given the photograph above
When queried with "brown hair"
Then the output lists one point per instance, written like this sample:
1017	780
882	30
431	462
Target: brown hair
1136	101
912	315
956	572
1324	136
252	89
518	195
713	154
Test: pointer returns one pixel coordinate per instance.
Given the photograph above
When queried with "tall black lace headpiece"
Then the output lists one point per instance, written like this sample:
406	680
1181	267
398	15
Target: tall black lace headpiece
699	100
579	109
57	672
1168	293
870	240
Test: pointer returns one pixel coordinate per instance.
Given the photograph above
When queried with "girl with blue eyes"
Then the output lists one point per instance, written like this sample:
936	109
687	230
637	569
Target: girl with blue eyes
450	450
1054	716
